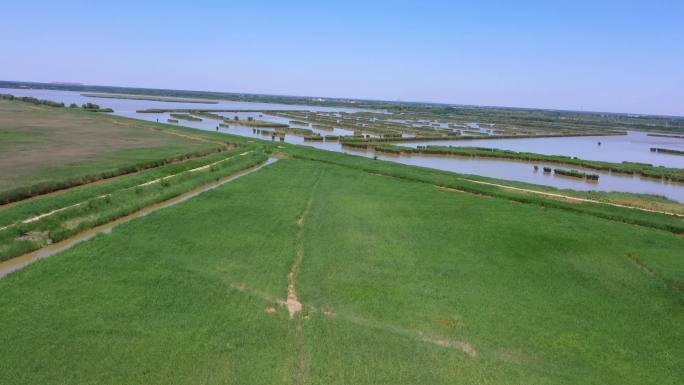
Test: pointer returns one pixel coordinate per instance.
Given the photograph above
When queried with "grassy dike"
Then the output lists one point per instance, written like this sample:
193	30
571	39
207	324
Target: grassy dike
28	208
32	232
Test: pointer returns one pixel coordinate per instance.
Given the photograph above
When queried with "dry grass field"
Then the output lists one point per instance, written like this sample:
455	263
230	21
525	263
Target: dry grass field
40	144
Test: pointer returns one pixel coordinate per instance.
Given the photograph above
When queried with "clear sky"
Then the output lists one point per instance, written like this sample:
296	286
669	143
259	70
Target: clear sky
621	56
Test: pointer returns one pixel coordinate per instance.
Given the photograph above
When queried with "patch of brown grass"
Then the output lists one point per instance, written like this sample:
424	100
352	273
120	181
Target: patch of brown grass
39	138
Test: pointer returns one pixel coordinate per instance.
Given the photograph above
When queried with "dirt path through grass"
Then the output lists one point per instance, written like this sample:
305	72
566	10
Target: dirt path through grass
194	137
293	303
14	264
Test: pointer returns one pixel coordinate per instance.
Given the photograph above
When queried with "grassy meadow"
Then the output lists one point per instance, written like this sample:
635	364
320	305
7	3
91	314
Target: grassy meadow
44	147
401	282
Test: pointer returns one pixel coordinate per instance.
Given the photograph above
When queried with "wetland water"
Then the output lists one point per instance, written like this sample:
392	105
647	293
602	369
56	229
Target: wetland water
127	107
633	147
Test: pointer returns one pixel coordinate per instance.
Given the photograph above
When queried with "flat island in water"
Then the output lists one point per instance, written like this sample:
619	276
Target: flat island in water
147	97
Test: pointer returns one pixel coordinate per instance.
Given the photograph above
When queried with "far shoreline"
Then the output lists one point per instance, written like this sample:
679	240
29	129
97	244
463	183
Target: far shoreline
146	97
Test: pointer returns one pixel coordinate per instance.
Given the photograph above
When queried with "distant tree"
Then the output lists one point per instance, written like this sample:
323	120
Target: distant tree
90	106
73	105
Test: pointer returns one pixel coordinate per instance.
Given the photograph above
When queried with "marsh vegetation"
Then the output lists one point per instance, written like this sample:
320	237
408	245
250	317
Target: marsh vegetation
187	117
667	151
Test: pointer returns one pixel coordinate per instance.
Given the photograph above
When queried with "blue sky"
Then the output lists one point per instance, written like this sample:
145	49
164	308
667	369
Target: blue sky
621	56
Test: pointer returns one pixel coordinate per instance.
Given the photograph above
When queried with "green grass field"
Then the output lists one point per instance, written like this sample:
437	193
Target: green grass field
400	283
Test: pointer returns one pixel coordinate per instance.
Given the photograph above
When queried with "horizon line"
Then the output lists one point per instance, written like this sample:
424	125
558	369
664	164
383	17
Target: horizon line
337	98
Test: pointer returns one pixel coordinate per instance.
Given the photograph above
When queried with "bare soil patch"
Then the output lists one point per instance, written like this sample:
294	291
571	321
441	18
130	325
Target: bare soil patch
454	344
455	190
34	236
73	223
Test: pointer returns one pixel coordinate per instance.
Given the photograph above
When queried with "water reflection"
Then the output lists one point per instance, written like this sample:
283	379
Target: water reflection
633	147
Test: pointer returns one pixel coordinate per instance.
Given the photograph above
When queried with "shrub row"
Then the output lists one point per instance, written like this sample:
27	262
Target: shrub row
352	144
575	174
29	99
667	151
313	138
294	131
454	136
667	136
260	123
